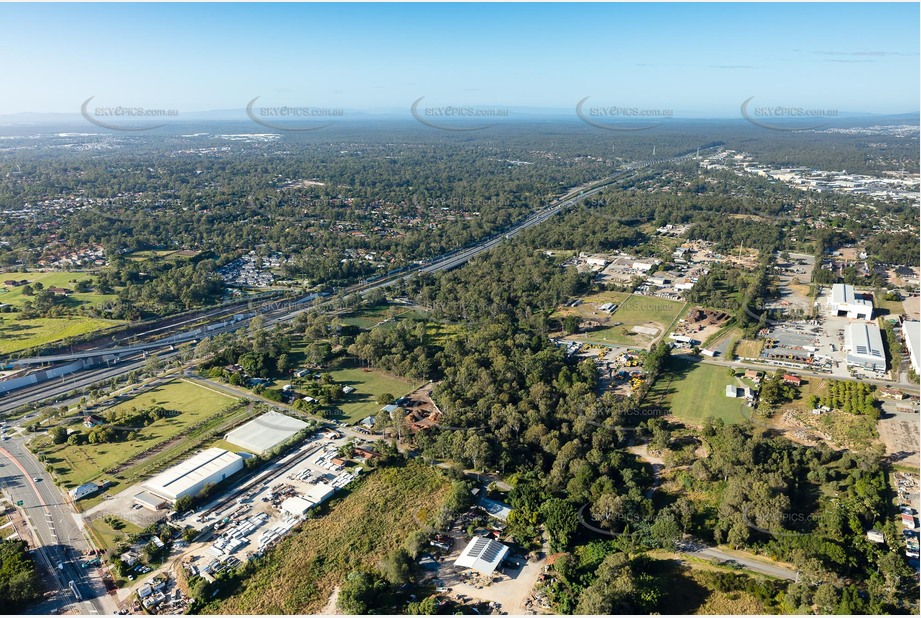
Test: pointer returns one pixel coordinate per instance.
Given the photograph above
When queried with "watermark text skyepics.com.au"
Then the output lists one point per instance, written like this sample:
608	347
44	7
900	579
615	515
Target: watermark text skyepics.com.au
621	117
125	117
457	117
292	117
785	117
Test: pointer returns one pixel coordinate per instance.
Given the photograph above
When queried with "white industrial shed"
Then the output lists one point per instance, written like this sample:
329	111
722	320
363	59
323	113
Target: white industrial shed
482	554
208	467
319	493
262	434
843	301
296	506
864	345
912	331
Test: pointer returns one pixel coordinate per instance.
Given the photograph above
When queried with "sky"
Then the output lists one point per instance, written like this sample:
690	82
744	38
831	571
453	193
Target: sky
696	60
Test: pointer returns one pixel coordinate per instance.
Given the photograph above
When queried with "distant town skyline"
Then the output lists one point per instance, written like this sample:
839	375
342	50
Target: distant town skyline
692	60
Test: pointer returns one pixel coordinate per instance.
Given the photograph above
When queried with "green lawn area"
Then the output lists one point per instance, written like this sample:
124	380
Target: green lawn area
13	295
369	384
694	390
169	255
18	335
634	310
103	532
367	318
74	465
888	307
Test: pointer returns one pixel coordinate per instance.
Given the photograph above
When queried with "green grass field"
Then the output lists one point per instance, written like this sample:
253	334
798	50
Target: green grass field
369	385
103	532
694	391
889	307
18	335
749	348
370	317
633	311
74	465
14	295
168	255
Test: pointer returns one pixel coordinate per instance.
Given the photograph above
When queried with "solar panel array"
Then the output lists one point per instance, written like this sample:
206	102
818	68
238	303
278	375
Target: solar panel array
491	551
478	546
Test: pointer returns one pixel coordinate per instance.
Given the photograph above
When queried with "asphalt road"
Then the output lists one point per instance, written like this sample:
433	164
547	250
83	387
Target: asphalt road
908	388
288	310
738	559
55	524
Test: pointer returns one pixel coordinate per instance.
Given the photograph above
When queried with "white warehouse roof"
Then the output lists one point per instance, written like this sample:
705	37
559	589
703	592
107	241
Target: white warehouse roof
912	330
844	300
864	345
482	554
210	466
296	505
319	493
265	432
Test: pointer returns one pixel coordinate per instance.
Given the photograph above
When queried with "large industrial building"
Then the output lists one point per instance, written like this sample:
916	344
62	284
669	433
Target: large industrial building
482	554
864	345
844	302
208	467
912	331
262	434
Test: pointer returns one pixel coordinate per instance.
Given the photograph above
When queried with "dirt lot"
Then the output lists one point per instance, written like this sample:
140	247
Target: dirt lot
912	307
510	592
701	323
899	433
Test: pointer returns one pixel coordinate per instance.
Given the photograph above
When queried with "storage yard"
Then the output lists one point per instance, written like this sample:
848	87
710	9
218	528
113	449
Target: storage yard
254	516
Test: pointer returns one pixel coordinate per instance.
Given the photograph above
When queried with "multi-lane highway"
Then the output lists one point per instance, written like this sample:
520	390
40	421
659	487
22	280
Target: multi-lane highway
61	540
51	518
283	311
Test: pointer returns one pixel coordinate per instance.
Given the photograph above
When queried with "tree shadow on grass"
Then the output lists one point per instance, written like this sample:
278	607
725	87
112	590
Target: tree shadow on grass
683	594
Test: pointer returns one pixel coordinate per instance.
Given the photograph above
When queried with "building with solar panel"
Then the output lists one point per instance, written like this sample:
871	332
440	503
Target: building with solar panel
864	345
483	555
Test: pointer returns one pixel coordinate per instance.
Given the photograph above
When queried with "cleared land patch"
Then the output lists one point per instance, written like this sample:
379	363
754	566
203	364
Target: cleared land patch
638	320
369	384
13	295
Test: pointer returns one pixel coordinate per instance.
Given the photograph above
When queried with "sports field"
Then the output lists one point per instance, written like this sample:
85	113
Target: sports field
695	390
18	335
